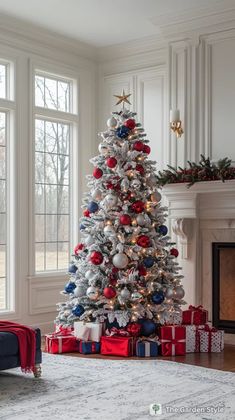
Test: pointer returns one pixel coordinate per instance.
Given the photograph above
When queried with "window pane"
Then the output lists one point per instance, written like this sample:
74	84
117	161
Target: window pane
51	199
51	256
40	228
3	81
51	137
2	261
52	93
63	255
2	229
39	257
51	228
2	291
63	139
50	168
63	170
39	135
2	162
39	167
39	198
2	128
63	228
63	200
39	91
2	196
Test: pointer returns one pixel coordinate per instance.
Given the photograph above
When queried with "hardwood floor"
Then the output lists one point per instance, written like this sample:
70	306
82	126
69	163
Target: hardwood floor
221	361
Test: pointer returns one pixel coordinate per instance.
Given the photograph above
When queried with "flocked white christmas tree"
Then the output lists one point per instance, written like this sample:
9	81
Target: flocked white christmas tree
125	268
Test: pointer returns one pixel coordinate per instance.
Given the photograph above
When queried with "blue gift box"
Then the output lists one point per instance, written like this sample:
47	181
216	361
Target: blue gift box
89	347
146	348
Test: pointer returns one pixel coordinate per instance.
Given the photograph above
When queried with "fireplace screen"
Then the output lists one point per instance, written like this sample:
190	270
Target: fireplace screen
224	285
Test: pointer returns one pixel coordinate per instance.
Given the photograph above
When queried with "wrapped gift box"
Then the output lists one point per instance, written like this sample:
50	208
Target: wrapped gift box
193	338
211	340
89	347
195	315
145	348
118	346
57	343
88	331
173	340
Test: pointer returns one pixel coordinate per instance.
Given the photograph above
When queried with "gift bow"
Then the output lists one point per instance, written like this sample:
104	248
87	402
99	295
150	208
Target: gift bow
171	344
210	330
196	308
116	331
133	329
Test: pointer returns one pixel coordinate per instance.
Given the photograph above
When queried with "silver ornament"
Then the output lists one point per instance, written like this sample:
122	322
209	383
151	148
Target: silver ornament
125	293
179	292
79	291
136	184
169	293
91	275
125	184
109	231
111	200
140	220
92	293
120	260
151	180
89	240
103	149
156	197
96	195
121	300
112	122
136	296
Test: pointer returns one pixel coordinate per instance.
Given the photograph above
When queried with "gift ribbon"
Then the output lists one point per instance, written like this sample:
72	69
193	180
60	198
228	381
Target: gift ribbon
209	330
147	344
59	336
171	344
116	331
193	309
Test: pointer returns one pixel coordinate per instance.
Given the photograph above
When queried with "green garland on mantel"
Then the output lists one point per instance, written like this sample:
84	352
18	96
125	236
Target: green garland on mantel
205	170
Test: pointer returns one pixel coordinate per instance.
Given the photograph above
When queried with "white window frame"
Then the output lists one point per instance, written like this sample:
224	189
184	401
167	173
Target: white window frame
9	106
48	68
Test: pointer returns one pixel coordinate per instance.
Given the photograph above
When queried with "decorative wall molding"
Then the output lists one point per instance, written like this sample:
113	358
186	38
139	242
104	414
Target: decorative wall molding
44	293
183	229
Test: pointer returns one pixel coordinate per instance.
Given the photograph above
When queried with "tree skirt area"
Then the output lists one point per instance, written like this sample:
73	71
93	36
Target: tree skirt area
103	389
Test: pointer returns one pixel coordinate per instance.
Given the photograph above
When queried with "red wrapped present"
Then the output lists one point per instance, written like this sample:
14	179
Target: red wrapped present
173	340
211	340
195	315
61	343
118	345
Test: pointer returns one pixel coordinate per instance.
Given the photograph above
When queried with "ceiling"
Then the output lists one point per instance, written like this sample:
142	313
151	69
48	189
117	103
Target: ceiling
101	23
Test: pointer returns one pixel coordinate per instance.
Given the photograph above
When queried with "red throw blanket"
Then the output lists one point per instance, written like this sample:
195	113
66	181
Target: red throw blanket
27	343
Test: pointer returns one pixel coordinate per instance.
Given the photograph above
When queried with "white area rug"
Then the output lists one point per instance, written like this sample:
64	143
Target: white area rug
96	389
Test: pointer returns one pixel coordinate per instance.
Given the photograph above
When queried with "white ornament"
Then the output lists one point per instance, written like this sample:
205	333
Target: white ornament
111	200
96	195
179	292
136	296
103	149
90	275
109	231
92	293
89	240
140	220
112	122
169	293
156	197
120	260
79	291
135	184
125	294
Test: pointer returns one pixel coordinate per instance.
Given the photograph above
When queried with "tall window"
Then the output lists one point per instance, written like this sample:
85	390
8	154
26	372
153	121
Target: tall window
6	108
53	144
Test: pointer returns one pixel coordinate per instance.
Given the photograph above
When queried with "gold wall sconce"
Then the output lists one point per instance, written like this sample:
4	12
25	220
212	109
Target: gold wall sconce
176	123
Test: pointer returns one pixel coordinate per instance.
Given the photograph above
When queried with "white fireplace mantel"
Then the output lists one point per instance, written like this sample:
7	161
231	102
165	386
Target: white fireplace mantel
199	215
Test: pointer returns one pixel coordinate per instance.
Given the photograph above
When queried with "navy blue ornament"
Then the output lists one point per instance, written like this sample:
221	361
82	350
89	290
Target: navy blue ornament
82	227
148	327
78	310
122	131
69	288
158	297
162	230
72	269
148	262
92	207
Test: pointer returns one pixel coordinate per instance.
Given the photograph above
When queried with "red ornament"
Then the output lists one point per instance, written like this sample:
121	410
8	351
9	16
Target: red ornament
111	162
174	252
140	169
115	270
109	292
142	270
130	124
97	173
144	241
146	149
112	280
125	219
138	146
133	329
96	258
86	213
137	206
78	247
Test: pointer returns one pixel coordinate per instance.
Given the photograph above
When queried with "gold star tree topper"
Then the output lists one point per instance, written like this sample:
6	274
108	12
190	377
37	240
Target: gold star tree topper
123	98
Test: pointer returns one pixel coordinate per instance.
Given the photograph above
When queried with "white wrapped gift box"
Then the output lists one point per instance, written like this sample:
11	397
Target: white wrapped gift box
88	331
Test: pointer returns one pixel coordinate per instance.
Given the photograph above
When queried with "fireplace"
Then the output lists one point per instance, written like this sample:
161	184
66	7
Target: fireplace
223	285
